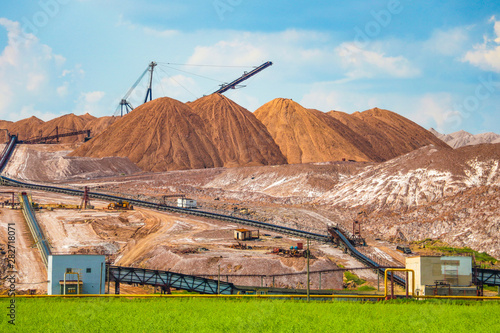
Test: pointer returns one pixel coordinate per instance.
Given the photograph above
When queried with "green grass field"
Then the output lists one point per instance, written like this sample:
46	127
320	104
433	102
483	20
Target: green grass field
248	315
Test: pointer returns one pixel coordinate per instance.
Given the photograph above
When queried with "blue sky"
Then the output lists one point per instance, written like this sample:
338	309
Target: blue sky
437	63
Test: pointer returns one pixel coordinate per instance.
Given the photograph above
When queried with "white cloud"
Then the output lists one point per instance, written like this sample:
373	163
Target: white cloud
436	110
62	91
361	63
297	51
487	54
35	81
92	102
75	73
328	97
93	96
179	87
230	53
146	30
29	110
449	43
29	72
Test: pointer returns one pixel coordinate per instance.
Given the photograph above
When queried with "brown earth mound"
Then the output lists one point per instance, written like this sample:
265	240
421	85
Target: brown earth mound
99	125
389	134
87	117
240	138
161	135
4	125
65	124
26	128
305	135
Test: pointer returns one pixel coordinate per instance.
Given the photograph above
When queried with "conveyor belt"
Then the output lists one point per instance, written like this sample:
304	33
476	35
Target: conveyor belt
141	203
38	236
142	276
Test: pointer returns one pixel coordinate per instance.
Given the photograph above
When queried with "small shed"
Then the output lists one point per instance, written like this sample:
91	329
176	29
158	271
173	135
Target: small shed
76	274
436	274
186	203
245	234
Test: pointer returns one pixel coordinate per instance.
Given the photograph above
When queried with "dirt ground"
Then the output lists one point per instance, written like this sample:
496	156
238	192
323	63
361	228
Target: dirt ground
197	246
31	272
177	242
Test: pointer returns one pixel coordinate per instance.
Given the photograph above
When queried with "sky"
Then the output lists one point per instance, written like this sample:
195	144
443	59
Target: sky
436	63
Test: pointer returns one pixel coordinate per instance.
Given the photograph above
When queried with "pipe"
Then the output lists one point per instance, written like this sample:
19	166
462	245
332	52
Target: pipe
399	270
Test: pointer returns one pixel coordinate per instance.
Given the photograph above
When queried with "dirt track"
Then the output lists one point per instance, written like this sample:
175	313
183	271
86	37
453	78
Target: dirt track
31	272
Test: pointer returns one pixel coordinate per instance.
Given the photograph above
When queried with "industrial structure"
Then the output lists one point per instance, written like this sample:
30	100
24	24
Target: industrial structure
186	203
75	274
442	275
125	106
84	273
245	234
234	84
51	137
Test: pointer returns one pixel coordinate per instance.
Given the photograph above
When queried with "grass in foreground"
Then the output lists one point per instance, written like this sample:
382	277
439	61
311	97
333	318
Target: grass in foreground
249	315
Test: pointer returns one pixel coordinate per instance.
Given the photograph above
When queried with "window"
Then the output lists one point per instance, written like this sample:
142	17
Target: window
69	270
89	270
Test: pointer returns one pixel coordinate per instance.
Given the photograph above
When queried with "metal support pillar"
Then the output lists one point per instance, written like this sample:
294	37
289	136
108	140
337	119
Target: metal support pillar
117	288
109	281
218	282
319	280
407	284
392	285
308	284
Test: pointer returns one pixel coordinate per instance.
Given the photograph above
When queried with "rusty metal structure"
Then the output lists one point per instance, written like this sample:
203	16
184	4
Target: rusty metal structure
85	199
56	137
12	202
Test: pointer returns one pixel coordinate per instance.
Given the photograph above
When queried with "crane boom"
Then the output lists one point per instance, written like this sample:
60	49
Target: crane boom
245	76
124	103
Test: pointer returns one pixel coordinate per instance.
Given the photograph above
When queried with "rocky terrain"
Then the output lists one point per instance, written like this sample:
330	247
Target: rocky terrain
418	178
432	192
50	163
463	138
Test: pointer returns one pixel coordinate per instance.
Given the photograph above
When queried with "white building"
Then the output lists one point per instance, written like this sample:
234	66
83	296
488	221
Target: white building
76	274
186	203
441	274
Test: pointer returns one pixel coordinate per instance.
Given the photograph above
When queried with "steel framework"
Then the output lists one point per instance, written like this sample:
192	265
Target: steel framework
489	277
166	279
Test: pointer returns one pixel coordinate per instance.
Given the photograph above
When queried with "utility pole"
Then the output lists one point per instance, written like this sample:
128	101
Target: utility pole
308	254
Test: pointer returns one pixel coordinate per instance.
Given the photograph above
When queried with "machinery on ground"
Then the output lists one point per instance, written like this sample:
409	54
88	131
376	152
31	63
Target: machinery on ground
120	205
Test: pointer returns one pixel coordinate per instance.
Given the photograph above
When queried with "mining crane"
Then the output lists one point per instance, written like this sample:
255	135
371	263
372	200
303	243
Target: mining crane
245	76
124	103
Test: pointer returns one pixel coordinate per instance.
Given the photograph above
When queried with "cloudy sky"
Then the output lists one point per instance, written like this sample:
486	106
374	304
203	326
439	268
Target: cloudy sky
437	63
